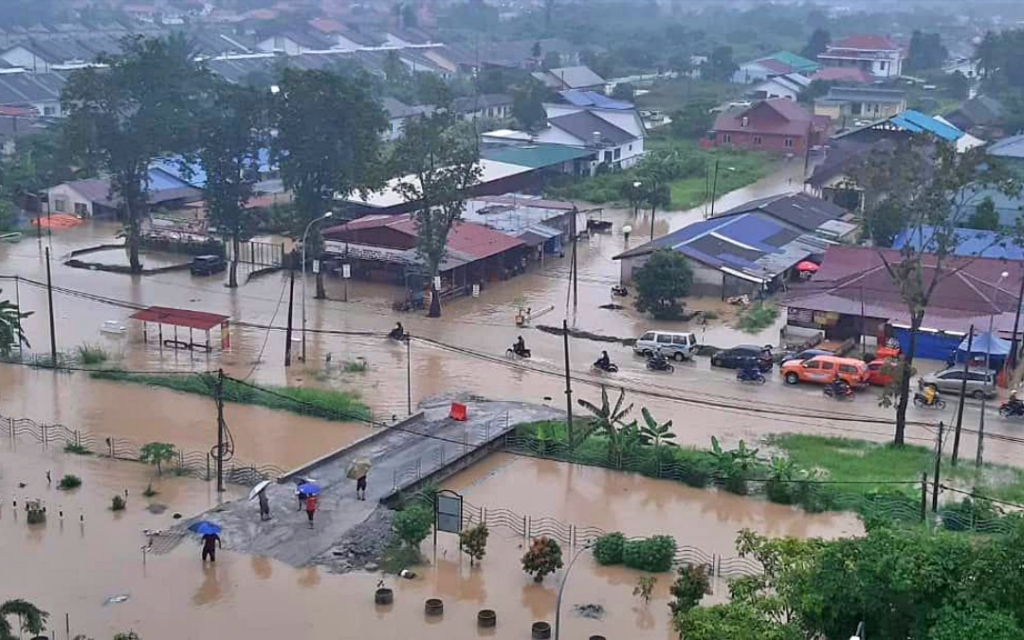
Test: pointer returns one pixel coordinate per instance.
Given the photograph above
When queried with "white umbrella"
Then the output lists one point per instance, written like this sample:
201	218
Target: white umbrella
258	489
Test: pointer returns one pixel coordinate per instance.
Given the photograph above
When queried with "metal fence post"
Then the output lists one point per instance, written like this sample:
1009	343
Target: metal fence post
207	466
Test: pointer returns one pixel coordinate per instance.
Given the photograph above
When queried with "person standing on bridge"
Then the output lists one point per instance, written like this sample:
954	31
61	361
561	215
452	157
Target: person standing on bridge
361	487
310	508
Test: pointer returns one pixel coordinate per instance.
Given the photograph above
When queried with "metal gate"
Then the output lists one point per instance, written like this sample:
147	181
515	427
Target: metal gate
263	254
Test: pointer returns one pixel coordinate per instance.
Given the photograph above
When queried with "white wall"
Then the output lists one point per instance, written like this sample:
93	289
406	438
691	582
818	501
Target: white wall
70	197
625	120
773	89
280	43
555	135
396	127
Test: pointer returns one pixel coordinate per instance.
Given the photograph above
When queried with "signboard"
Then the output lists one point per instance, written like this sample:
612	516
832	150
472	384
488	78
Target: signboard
437	282
346	271
476	291
448	512
316	266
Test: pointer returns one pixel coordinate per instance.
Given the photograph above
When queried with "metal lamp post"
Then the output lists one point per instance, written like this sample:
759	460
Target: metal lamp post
988	367
304	234
636	197
561	587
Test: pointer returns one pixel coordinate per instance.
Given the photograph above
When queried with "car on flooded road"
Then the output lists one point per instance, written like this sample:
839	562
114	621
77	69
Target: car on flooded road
980	383
824	369
207	265
806	354
880	371
744	356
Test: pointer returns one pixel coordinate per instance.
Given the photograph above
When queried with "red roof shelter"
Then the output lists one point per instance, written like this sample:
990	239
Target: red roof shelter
191	320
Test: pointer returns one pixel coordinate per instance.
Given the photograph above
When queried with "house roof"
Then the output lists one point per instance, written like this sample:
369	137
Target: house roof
795	118
854	280
865	94
583	125
776	66
467	238
469	104
800	210
865	42
970	242
910	121
978	111
576	77
22	88
199	320
843	74
791	81
1012	147
397	109
535	156
583	98
389	196
749	243
796	62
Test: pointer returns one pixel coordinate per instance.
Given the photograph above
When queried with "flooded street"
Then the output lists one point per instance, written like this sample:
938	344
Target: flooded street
172	596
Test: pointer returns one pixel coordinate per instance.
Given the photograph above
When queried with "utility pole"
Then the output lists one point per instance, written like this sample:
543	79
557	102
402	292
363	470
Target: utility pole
49	295
714	190
291	306
218	397
963	397
988	370
408	374
1016	326
924	496
938	469
568	384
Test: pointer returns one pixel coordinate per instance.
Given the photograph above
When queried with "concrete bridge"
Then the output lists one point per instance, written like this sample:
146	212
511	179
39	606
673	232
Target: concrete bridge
427	447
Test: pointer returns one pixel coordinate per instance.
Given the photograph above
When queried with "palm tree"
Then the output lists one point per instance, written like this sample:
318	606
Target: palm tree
11	332
30	618
606	419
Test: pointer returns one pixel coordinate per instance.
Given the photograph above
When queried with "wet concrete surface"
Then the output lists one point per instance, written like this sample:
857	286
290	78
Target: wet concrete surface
400	455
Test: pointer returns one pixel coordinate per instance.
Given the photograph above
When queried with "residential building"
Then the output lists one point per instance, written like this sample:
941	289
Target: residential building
294	42
790	86
549	158
847	105
742	254
37	91
95	198
846	75
594	99
492	106
802	212
542	225
383	248
779	63
398	114
779	125
873	54
579	77
853	296
613	145
981	115
968	243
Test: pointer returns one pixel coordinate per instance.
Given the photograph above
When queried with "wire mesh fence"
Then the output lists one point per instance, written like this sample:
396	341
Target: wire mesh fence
195	464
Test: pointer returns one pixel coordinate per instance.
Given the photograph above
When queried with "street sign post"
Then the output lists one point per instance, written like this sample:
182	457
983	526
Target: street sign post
447	513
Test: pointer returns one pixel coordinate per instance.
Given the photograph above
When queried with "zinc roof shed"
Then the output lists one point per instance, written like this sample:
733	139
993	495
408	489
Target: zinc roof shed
535	156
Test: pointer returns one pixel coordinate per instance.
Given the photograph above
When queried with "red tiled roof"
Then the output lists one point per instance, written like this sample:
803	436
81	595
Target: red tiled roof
865	41
775	65
326	25
846	74
469	238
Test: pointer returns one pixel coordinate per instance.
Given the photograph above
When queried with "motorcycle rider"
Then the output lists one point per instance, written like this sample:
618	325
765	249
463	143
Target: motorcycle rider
749	371
398	332
519	346
1015	403
930	394
658	360
604	362
839	386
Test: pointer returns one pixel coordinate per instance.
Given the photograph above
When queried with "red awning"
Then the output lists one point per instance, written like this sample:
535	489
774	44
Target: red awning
806	265
180	317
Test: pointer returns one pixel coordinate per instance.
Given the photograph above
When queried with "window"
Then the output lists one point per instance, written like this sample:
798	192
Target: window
745	121
49	111
693	339
60	204
826	366
978	377
618	153
648	336
788	142
607	156
664	339
952	375
727	138
630	147
757	140
681	339
883	65
812	364
845	368
81	209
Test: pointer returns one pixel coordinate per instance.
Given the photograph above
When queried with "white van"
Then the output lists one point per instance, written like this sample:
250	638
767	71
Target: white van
680	346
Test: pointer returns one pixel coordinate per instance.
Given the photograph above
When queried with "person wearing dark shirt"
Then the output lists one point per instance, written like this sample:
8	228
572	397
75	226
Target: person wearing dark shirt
209	550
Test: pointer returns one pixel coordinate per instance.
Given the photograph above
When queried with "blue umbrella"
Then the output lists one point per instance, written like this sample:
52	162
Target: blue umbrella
204	527
309	489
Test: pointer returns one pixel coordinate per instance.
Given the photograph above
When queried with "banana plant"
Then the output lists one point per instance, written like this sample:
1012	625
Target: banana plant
654	433
606	419
11	332
781	469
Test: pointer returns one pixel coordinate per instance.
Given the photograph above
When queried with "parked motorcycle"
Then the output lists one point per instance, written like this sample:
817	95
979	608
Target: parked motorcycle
750	375
659	364
619	290
936	403
1012	409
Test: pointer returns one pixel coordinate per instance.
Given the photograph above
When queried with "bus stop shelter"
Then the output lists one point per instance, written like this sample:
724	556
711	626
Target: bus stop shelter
185	319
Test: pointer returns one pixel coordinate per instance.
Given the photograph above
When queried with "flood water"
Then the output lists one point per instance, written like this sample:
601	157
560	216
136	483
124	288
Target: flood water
67	566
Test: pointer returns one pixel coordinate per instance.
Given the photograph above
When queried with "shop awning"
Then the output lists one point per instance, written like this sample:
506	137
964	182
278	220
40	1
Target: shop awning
199	320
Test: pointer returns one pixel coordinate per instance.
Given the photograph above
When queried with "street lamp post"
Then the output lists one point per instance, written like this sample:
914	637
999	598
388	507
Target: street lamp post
304	234
561	587
988	367
636	197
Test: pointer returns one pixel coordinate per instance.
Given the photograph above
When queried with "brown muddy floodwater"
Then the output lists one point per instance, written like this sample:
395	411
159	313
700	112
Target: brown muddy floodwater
72	567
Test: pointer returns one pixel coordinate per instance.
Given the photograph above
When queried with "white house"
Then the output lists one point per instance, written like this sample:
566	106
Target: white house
873	54
39	91
398	114
617	137
789	86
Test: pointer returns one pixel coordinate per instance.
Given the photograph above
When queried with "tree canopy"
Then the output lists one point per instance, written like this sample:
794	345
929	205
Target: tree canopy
661	282
816	44
926	52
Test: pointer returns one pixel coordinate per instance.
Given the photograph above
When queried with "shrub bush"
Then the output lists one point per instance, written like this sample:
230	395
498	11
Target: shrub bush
543	557
689	588
652	554
70	481
77	449
608	549
412	525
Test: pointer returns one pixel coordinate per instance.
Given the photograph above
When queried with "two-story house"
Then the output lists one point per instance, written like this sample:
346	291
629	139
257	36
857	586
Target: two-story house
779	125
616	137
874	54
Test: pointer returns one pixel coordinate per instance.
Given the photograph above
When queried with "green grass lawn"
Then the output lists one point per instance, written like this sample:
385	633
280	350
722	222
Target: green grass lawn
862	461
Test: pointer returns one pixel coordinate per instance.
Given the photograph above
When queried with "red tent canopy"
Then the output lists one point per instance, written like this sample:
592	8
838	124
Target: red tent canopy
180	317
806	265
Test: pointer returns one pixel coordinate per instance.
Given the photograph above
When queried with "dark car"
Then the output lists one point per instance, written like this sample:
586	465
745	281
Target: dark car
207	265
806	354
744	356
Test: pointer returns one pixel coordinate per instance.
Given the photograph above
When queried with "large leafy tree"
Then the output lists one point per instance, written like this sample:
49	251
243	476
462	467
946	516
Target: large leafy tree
661	282
144	104
444	165
926	52
327	145
816	44
924	188
528	105
31	619
234	132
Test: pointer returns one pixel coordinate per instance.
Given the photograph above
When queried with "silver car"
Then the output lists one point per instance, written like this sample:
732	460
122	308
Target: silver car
979	382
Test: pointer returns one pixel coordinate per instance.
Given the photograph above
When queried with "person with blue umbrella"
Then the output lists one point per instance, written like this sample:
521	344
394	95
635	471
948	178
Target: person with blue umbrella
211	540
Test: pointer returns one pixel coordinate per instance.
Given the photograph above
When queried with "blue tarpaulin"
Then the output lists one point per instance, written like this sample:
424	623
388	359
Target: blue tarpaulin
981	343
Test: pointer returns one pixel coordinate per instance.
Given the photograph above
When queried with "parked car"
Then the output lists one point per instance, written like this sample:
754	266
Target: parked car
743	356
806	354
823	370
678	345
979	382
207	265
880	371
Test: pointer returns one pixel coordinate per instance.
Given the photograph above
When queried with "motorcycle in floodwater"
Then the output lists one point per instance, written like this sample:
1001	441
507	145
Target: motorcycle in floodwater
611	367
843	392
937	402
659	364
1012	409
750	375
515	352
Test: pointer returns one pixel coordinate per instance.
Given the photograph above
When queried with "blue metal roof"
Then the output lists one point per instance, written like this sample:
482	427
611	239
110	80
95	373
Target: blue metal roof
970	242
197	179
582	98
916	122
